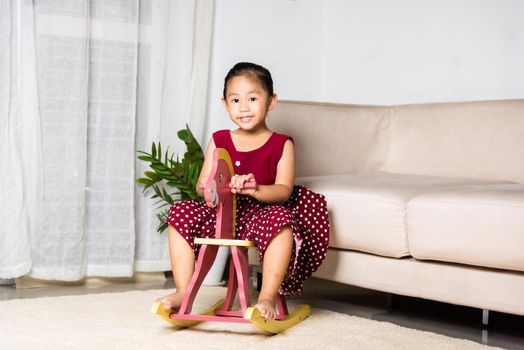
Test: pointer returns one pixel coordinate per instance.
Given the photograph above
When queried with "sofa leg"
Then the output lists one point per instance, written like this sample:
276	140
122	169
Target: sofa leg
485	317
485	336
389	300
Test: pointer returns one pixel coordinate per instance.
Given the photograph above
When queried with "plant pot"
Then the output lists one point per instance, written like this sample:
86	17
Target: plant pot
215	275
7	282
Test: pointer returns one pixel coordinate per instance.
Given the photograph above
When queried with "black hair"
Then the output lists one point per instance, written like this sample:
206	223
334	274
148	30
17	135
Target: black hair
251	70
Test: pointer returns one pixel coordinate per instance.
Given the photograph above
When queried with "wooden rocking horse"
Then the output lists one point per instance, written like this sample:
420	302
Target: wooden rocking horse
217	193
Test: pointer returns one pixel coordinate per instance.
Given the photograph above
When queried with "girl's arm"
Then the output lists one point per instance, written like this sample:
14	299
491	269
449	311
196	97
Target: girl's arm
284	182
206	167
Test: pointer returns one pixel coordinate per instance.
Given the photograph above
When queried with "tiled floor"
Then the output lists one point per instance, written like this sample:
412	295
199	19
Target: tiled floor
504	330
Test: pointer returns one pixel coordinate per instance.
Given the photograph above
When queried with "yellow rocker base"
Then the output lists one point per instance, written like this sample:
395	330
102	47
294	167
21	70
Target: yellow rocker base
277	326
159	309
252	315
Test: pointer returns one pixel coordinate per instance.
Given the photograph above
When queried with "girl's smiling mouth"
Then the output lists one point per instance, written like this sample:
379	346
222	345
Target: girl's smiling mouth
246	118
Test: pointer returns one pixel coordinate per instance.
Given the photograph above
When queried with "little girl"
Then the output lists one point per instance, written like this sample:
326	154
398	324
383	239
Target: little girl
289	224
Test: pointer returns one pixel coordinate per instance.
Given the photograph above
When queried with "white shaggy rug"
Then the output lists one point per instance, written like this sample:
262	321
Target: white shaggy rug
124	321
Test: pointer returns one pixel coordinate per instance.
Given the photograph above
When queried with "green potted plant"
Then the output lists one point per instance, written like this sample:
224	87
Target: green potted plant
172	180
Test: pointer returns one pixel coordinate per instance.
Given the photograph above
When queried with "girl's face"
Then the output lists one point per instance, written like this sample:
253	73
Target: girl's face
247	103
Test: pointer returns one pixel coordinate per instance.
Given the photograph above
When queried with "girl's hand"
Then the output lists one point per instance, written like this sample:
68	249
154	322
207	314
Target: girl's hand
238	183
200	187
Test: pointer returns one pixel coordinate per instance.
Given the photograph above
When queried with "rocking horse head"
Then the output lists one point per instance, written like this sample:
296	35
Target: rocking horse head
217	194
217	188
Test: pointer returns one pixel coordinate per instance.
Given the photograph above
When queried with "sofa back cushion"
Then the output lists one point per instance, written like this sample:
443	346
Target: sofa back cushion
459	139
333	139
466	139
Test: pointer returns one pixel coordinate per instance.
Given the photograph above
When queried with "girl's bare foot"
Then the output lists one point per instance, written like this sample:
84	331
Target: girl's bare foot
172	301
267	308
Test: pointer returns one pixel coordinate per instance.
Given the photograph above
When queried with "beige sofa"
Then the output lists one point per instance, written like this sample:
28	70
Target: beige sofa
425	200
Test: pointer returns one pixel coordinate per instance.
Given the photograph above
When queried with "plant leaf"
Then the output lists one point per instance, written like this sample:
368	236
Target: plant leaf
153	150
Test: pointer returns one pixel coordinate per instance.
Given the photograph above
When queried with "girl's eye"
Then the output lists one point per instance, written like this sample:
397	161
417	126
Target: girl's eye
253	99
235	100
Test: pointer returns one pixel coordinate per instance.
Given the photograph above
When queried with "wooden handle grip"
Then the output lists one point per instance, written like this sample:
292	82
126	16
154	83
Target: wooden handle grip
248	184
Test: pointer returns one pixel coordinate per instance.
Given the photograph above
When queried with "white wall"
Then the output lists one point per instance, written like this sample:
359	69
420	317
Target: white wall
372	51
282	35
404	51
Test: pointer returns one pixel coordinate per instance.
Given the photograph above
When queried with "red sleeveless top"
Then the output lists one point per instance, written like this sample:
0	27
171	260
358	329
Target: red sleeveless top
262	162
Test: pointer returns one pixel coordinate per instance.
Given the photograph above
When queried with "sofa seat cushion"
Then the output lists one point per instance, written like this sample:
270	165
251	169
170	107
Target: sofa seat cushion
476	225
368	211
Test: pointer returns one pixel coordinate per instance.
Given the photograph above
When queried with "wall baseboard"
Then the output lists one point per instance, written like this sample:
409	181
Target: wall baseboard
139	277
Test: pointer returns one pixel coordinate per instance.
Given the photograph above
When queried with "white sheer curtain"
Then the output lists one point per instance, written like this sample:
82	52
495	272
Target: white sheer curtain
92	82
15	249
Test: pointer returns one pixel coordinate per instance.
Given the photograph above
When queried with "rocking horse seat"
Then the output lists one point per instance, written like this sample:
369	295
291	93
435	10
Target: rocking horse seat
225	242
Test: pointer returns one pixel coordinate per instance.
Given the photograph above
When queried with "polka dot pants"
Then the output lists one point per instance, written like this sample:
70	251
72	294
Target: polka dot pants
305	212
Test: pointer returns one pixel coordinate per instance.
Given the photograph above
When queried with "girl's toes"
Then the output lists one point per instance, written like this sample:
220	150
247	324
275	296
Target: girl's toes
167	304
266	310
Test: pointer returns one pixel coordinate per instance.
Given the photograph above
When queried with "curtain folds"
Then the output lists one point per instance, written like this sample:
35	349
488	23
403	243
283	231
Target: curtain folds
172	90
100	80
15	249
